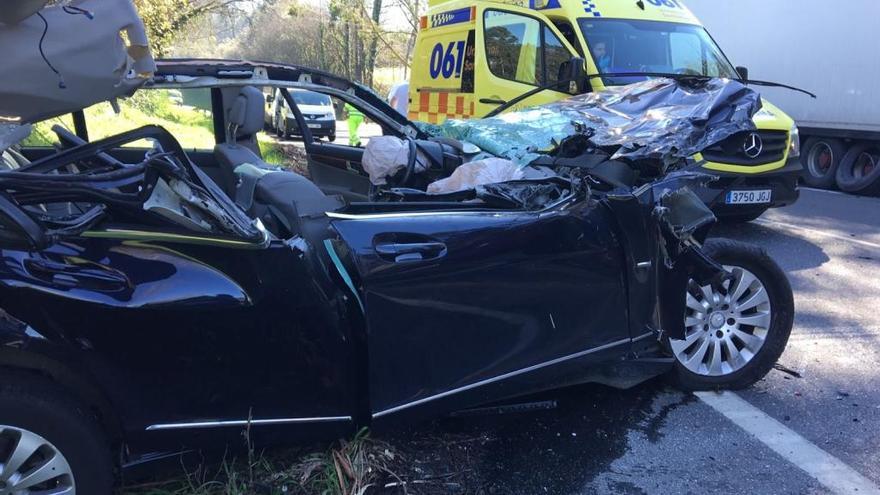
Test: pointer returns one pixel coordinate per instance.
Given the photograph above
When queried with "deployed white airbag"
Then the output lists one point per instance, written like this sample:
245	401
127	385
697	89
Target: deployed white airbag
477	173
384	156
83	43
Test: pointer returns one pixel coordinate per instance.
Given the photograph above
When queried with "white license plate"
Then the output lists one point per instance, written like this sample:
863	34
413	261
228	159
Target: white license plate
314	126
753	197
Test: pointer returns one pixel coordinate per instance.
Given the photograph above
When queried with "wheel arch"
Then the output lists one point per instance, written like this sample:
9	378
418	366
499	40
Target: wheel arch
28	356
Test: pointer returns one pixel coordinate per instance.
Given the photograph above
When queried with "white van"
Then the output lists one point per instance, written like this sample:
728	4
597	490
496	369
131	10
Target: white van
317	110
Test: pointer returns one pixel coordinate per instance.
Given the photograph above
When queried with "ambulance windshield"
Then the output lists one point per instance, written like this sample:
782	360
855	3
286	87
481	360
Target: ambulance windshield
624	46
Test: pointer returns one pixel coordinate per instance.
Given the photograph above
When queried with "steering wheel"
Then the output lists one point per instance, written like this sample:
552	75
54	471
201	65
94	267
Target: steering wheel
411	161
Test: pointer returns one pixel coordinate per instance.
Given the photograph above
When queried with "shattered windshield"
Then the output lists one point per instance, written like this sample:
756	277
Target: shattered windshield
622	45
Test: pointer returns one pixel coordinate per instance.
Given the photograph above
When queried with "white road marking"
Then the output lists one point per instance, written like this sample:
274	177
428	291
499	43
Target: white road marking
824	467
774	223
839	193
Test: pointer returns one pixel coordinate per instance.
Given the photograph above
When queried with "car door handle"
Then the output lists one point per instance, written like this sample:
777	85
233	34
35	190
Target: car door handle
412	251
492	101
85	277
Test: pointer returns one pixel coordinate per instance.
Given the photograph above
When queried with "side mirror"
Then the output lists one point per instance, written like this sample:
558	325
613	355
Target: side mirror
572	71
270	98
743	72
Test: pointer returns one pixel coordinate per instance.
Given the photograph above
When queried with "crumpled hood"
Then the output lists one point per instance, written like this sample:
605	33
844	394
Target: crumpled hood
660	119
83	44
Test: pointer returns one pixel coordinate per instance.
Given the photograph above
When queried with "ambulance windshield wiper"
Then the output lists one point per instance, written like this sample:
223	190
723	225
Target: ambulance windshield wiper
698	77
557	85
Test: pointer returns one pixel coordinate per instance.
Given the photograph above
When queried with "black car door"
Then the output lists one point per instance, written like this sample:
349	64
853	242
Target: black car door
187	333
470	307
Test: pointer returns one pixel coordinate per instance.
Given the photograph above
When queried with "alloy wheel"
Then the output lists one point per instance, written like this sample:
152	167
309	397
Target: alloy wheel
725	327
30	464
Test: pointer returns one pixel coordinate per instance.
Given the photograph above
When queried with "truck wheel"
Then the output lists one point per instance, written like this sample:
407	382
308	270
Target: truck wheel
822	157
741	217
49	443
859	170
735	333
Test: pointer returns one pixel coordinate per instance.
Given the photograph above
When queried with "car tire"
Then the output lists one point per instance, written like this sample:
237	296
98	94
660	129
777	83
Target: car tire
859	171
33	411
821	159
762	344
331	137
741	217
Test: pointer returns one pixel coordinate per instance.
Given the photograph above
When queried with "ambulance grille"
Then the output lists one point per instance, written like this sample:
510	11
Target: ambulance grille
733	149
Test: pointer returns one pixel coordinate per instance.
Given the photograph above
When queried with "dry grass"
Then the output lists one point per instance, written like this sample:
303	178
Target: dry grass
358	466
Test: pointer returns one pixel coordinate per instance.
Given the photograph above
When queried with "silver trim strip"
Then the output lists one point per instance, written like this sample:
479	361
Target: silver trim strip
493	213
371	216
644	336
502	377
245	422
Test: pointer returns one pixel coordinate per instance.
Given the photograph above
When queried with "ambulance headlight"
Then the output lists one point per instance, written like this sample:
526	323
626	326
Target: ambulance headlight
794	149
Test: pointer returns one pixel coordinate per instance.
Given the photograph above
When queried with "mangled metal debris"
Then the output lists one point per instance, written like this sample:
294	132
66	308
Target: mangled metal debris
621	138
658	119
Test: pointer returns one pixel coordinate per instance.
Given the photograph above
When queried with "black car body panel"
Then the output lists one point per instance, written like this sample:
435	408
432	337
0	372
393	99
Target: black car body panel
455	299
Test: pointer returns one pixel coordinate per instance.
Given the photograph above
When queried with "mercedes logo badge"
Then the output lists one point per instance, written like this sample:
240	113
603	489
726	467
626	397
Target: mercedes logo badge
753	145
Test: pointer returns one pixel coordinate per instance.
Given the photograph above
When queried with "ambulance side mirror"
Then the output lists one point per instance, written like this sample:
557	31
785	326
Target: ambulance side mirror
572	71
743	72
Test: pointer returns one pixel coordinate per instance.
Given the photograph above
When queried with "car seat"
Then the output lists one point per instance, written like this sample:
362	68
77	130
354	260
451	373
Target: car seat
244	119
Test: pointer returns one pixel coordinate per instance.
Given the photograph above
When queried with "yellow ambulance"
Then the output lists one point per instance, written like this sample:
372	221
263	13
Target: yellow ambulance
472	56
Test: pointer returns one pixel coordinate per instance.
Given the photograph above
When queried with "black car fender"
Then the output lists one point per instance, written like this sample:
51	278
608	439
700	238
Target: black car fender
26	351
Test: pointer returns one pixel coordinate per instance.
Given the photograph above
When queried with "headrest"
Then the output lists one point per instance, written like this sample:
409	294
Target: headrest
246	113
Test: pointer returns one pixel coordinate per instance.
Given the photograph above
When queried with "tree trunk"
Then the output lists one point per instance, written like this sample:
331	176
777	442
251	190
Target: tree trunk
347	48
374	39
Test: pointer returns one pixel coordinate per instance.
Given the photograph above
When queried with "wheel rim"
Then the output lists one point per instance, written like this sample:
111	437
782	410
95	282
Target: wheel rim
821	158
724	328
30	464
864	165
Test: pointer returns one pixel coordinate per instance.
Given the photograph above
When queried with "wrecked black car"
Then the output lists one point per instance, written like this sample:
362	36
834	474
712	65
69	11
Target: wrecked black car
156	297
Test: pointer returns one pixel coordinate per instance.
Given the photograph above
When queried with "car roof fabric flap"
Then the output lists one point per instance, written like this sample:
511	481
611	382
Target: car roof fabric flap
81	60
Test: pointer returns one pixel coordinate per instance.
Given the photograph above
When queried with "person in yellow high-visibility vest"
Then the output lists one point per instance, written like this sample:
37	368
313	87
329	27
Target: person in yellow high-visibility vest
355	119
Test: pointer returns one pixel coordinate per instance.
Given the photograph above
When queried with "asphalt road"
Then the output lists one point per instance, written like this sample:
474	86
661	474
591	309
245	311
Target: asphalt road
818	432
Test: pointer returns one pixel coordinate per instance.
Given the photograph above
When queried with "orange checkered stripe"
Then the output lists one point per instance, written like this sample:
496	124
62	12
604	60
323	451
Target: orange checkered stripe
435	107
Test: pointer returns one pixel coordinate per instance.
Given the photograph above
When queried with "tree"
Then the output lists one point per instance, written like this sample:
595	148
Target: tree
164	19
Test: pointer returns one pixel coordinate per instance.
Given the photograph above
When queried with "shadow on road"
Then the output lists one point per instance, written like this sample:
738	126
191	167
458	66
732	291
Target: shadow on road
798	253
554	451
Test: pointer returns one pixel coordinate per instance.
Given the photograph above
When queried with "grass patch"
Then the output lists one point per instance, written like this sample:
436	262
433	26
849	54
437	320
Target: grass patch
270	149
359	466
192	126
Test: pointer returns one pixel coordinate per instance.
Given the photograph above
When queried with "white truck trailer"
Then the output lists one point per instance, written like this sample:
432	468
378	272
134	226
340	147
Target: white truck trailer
829	48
